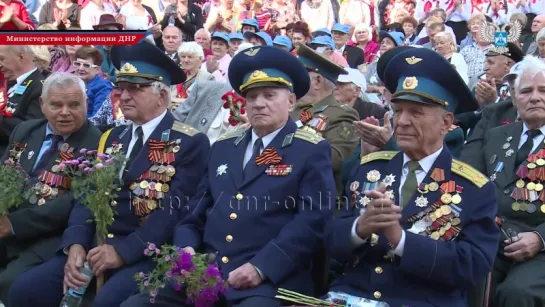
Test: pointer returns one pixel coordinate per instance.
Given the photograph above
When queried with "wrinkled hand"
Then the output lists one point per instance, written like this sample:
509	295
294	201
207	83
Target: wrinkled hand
244	277
73	279
525	247
370	131
189	249
212	64
156	31
485	92
104	257
380	213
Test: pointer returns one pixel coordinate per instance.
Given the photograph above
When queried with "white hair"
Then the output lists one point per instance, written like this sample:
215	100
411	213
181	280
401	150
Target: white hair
362	27
243	47
191	48
529	65
158	86
178	30
203	30
540	35
20	49
62	80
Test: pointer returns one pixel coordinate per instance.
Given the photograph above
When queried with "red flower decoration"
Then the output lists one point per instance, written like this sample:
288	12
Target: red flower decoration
505	122
236	105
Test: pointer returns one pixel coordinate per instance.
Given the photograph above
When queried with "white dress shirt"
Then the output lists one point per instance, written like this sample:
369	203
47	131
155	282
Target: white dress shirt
426	165
266	141
537	139
20	81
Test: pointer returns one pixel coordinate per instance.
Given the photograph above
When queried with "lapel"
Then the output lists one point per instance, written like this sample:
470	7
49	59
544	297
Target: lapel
513	130
237	158
34	144
394	166
444	162
141	161
276	143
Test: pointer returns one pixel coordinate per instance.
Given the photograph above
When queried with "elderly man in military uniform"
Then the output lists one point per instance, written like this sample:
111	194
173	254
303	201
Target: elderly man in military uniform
514	156
24	90
319	112
31	233
419	226
165	156
268	192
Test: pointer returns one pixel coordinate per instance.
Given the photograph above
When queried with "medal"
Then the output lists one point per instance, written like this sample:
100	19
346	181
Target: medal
540	162
433	186
144	184
421	201
531	165
493	159
158	187
373	176
542	208
455	221
509	153
531	186
538	187
446	198
520	183
176	149
506	146
165	188
41	202
389	180
354	186
456	199
515	206
445	210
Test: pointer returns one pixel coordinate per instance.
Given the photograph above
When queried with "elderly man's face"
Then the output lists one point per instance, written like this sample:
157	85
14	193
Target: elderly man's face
10	63
268	107
346	92
65	108
339	38
203	40
171	39
531	97
496	67
538	23
139	102
419	129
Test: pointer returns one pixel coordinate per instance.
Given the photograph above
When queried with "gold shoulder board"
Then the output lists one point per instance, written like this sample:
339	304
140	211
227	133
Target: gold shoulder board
468	172
308	136
103	140
231	135
183	128
379	155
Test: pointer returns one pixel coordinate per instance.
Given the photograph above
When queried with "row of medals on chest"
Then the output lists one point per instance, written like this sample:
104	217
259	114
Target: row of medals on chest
155	182
530	191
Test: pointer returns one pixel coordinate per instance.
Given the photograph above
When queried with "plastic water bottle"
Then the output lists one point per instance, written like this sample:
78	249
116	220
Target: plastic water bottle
73	297
353	301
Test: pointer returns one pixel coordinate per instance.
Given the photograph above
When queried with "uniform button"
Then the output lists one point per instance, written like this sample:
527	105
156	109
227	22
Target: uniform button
233	216
506	191
377	294
229	238
224	259
378	270
239	196
110	236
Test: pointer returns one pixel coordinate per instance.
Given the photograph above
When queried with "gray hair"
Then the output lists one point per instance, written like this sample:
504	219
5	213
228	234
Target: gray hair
179	31
529	65
203	30
540	35
20	49
191	48
520	17
62	80
158	86
243	47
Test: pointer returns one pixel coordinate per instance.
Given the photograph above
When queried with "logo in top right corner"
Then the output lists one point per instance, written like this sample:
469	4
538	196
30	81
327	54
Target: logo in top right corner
500	37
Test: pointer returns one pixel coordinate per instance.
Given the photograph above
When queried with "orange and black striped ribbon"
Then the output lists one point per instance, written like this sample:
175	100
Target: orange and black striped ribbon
305	117
268	156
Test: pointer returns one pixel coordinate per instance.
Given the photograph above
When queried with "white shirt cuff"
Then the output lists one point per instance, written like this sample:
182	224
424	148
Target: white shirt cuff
354	238
401	245
260	273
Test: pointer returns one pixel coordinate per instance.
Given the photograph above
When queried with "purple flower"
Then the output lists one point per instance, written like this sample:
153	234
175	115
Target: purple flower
141	275
151	246
177	286
146	283
168	274
102	156
81	166
167	258
87	170
99	165
153	293
157	251
83	151
212	271
146	252
109	161
185	262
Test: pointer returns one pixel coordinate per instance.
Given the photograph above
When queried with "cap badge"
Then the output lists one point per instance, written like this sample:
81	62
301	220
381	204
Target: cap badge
128	68
492	33
410	83
413	60
251	52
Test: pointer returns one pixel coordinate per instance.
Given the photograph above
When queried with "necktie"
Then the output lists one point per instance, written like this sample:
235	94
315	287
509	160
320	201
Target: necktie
526	148
411	183
46	156
136	147
255	152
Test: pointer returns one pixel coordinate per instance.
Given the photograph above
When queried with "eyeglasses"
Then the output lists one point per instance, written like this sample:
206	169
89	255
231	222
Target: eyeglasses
85	65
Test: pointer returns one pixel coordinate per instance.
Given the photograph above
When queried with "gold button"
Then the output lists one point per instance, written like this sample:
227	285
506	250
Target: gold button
110	235
224	259
233	216
239	196
377	294
378	270
229	238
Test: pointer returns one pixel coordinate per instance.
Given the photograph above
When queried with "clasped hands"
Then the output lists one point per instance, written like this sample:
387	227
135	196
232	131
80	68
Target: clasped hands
101	258
524	247
381	214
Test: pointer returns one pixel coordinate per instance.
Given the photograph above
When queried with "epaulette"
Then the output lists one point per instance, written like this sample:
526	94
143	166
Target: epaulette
103	140
183	128
231	135
452	127
468	172
379	155
321	109
308	136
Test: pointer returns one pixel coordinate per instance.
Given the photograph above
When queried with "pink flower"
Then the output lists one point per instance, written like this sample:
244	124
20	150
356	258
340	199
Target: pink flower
81	166
157	251
146	252
82	151
109	161
87	170
153	293
184	273
99	166
102	156
151	246
167	258
146	283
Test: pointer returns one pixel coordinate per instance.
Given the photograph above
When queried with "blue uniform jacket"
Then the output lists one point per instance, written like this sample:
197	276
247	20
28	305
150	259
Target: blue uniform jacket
130	233
430	272
277	223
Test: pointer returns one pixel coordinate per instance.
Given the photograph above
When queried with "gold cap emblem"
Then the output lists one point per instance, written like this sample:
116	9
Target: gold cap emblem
251	52
128	68
410	83
413	60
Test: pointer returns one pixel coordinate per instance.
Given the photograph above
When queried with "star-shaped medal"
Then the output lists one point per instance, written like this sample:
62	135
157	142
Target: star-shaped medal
390	194
222	169
389	180
364	201
421	201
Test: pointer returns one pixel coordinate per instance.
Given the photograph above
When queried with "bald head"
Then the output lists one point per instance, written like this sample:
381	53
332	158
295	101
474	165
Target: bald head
172	39
538	23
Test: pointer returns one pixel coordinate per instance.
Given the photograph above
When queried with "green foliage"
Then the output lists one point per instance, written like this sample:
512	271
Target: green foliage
12	182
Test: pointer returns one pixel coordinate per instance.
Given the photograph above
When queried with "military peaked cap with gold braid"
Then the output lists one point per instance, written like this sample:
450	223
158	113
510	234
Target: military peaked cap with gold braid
469	173
183	128
379	155
308	136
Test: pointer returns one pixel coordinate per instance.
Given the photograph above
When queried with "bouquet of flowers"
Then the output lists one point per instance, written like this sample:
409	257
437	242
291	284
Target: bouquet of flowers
94	180
12	183
197	274
236	105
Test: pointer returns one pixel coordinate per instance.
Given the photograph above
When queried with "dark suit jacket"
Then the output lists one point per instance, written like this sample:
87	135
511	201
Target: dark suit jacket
491	154
27	107
492	116
354	56
39	228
